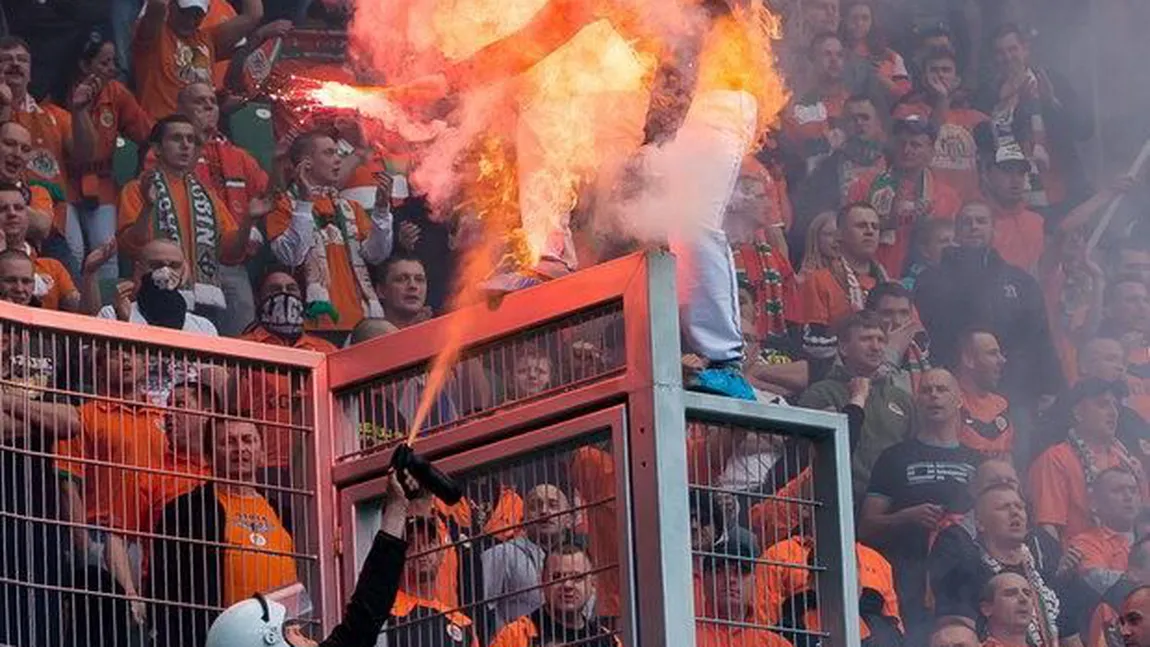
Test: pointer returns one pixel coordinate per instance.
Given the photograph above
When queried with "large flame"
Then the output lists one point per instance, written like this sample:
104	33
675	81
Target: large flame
518	154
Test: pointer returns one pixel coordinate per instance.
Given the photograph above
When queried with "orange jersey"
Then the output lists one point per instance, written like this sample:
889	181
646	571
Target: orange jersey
126	436
824	298
167	63
775	583
51	130
251	525
343	287
132	208
114	112
900	207
721	634
1058	487
219	12
593	477
53	280
987	428
1019	236
1102	549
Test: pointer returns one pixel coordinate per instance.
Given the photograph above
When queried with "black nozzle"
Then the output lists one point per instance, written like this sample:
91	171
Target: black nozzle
427	475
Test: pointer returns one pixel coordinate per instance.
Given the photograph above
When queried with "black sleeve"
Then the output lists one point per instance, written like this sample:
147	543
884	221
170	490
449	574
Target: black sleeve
375	592
1047	370
954	574
1070	117
882	477
855	419
185	570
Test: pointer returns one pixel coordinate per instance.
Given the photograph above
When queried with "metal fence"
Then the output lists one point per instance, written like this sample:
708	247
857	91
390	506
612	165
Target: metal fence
532	549
146	486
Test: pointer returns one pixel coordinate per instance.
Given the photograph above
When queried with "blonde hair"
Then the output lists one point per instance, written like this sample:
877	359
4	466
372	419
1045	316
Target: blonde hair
813	258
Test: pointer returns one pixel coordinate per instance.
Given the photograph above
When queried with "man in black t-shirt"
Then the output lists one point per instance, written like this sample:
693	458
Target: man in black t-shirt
915	485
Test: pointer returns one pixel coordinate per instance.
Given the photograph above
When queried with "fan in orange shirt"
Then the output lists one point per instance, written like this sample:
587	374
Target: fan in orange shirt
329	240
728	615
987	425
1008	606
170	202
174	46
1115	500
1019	235
15	150
831	293
941	100
906	192
1059	478
811	124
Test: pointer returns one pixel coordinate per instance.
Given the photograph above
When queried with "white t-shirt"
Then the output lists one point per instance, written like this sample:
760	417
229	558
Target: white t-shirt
192	323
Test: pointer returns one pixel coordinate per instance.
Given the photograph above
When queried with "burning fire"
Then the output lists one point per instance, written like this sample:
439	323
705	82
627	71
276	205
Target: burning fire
518	154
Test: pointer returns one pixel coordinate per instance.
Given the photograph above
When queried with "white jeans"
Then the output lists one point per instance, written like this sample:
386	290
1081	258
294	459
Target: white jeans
697	172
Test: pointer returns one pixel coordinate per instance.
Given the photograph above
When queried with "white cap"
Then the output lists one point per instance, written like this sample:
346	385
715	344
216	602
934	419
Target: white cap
202	5
1011	153
255	622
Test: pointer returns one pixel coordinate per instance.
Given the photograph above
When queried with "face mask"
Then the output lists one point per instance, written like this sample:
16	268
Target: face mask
159	300
282	315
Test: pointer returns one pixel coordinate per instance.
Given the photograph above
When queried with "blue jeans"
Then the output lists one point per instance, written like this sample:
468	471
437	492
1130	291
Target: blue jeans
123	20
98	226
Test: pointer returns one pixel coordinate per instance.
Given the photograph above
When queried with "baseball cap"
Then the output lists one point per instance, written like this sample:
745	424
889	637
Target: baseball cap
1011	156
202	5
915	124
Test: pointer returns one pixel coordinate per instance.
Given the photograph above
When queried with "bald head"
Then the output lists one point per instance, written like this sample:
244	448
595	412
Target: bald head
954	634
937	402
545	510
197	101
370	328
159	253
1134	620
1102	358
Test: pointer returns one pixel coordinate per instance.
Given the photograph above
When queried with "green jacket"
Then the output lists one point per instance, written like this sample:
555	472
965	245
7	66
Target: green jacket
889	413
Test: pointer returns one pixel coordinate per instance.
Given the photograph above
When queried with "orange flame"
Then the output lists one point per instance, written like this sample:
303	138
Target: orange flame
519	163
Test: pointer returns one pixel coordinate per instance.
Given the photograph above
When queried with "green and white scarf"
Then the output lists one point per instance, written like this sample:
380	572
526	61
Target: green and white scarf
883	195
206	264
317	291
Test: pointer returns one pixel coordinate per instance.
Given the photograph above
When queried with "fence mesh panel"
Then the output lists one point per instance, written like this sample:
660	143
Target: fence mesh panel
144	489
752	536
526	366
533	544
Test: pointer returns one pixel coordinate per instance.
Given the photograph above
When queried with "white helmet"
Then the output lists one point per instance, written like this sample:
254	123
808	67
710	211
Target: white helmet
255	622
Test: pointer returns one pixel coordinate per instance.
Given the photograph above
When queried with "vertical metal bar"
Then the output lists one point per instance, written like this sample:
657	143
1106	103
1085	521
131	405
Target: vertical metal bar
835	548
658	462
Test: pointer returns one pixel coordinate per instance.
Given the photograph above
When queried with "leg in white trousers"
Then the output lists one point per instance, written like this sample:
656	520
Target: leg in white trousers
705	157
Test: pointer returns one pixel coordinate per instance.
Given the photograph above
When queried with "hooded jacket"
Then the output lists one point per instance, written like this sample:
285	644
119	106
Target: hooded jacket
975	288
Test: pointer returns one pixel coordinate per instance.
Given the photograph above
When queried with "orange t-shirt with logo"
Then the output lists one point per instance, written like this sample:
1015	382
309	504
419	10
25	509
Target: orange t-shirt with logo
132	206
823	298
723	634
51	130
126	436
1058	488
343	287
986	428
115	112
1019	236
219	12
1102	548
252	527
167	63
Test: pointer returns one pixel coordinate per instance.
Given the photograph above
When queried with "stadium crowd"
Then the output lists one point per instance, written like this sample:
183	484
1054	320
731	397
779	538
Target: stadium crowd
915	248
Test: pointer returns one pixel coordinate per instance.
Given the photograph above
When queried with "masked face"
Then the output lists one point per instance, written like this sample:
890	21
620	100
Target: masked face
282	314
159	299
